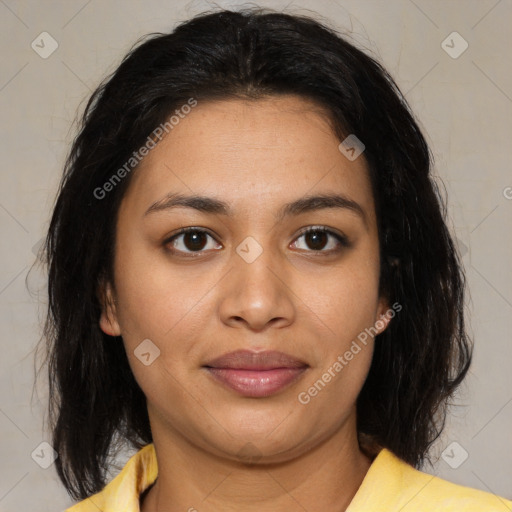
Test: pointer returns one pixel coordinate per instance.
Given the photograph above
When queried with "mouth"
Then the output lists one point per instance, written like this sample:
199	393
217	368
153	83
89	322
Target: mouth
256	374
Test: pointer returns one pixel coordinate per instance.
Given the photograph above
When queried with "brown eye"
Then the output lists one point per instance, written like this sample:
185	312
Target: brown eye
189	241
194	240
318	238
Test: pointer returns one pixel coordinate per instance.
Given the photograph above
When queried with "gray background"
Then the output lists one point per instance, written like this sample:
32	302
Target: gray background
463	105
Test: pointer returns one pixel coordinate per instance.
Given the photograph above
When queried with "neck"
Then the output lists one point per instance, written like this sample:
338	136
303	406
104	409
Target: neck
325	477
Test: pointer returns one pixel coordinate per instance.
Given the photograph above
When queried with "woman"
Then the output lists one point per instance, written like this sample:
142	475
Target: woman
251	282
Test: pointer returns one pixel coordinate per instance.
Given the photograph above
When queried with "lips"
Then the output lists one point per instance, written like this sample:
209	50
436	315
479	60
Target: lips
256	374
248	360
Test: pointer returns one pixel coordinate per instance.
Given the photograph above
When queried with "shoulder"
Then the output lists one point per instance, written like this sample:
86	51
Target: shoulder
429	490
393	485
123	492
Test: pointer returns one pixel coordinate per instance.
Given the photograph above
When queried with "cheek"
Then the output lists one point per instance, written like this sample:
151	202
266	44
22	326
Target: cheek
158	305
344	308
344	345
344	299
160	315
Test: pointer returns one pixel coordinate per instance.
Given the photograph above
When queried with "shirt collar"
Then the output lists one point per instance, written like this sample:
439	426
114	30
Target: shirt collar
123	492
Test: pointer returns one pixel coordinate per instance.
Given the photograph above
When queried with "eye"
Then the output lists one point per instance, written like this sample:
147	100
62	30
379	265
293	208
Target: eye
192	240
189	240
317	238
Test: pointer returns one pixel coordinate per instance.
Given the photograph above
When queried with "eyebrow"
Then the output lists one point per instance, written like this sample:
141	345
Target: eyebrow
305	204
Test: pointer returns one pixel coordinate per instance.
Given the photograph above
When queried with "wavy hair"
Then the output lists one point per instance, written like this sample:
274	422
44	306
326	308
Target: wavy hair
419	360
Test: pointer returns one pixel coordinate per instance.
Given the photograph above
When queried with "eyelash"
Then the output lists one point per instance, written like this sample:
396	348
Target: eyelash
342	240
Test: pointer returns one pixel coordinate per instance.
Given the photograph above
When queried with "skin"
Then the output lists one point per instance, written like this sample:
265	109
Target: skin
255	155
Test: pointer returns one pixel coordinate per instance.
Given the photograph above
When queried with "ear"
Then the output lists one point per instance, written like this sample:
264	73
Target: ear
384	315
108	319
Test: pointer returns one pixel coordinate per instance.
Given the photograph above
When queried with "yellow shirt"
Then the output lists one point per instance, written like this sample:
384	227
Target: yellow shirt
390	485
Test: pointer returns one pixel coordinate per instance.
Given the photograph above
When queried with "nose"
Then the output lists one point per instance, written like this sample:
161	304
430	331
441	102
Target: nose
257	294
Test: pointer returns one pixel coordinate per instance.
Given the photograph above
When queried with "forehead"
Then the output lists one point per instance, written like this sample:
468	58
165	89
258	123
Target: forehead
251	152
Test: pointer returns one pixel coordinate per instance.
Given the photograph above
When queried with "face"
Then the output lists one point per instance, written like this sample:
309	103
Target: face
248	277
